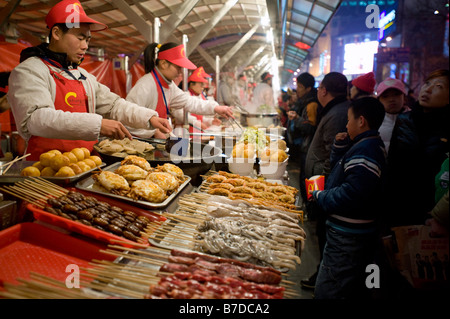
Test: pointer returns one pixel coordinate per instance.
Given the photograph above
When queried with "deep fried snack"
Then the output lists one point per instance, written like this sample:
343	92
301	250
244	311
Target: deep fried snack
229	175
221	185
131	172
286	199
235	181
216	178
172	169
219	191
239	196
260	187
166	181
267	195
111	181
279	190
147	190
136	160
243	190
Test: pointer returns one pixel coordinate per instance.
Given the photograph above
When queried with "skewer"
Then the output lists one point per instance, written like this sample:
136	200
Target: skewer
19	195
9	164
113	290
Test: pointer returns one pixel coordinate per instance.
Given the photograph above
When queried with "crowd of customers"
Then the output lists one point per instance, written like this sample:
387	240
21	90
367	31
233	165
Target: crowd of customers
384	157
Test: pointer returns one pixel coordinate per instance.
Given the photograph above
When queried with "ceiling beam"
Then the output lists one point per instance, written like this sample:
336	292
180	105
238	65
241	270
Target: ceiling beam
238	45
250	59
170	25
6	12
210	60
208	26
141	25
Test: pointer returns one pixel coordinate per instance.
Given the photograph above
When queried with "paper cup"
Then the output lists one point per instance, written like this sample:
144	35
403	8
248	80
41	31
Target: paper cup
315	183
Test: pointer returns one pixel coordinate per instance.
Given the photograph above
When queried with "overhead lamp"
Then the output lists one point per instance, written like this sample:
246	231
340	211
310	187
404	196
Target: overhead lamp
388	39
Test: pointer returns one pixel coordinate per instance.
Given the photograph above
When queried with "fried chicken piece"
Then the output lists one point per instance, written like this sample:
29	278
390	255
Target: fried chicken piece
131	172
244	190
138	161
172	169
147	190
111	181
166	181
285	198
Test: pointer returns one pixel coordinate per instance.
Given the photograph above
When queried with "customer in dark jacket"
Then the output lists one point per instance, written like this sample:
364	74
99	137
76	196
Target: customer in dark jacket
332	95
302	122
351	201
419	145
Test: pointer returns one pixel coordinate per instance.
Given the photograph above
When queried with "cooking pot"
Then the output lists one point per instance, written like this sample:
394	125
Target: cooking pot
260	119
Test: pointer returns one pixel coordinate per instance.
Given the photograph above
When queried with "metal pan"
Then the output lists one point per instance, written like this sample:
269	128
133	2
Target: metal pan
88	184
13	174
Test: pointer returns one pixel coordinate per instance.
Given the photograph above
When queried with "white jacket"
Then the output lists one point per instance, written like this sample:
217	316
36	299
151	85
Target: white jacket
32	93
262	95
145	93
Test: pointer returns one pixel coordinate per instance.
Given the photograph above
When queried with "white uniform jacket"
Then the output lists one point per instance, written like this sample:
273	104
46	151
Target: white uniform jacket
32	94
145	93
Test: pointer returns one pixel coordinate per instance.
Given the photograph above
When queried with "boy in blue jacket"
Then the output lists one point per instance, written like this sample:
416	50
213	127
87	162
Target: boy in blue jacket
351	200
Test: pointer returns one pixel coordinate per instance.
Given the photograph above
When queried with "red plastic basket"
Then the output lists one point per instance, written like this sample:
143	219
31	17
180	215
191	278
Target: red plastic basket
30	247
90	231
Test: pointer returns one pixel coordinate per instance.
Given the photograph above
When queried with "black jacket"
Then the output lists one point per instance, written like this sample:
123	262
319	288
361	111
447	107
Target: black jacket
418	147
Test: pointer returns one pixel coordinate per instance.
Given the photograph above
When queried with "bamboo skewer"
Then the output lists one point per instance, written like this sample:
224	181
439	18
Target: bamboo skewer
9	164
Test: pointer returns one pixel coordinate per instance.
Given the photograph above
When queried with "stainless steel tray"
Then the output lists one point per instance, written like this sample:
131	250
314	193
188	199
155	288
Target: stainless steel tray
88	184
13	174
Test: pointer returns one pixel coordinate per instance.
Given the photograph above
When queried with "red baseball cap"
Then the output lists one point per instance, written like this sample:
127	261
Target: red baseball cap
197	76
71	12
177	55
203	73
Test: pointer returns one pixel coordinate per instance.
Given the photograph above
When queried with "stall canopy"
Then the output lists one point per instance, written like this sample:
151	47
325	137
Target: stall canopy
238	32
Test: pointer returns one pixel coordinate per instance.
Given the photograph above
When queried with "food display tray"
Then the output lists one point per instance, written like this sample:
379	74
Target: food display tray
88	184
13	174
31	247
90	231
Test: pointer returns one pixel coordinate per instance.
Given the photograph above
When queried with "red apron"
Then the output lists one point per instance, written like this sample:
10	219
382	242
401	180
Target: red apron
162	107
199	117
70	97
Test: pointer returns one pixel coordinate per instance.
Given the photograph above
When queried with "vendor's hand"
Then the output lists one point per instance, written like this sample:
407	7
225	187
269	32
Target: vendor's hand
224	111
292	115
341	136
216	122
160	135
114	130
160	123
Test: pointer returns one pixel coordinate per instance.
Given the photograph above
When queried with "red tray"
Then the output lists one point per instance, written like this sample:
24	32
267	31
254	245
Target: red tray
32	247
89	231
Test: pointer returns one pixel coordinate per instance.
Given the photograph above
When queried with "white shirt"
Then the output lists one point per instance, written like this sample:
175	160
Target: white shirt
145	93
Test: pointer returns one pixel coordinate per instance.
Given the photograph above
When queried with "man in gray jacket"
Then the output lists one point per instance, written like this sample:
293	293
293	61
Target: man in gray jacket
332	95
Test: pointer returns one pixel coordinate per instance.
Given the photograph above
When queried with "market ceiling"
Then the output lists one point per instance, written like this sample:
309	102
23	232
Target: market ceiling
234	30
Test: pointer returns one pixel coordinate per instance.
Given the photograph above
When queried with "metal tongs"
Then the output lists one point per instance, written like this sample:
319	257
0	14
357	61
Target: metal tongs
232	119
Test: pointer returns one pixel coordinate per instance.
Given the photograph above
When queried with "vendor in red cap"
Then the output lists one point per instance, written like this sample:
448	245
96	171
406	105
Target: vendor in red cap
263	97
196	83
59	105
157	91
363	85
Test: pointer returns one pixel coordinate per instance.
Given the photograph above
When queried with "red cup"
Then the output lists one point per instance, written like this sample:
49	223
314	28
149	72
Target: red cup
315	183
